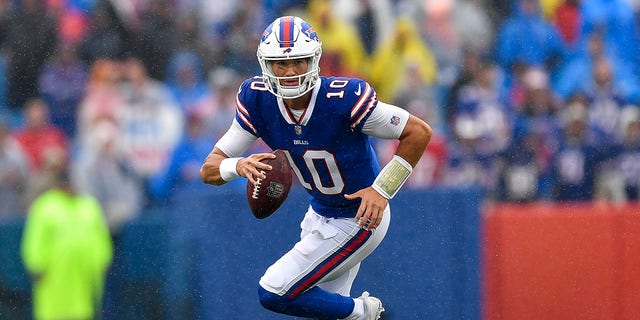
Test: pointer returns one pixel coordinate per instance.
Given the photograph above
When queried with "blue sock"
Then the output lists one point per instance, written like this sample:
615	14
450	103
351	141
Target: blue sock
314	303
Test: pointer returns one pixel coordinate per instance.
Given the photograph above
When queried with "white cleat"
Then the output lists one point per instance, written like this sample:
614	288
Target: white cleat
372	306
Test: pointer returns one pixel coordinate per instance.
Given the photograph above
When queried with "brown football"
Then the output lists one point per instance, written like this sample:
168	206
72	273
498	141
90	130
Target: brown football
267	195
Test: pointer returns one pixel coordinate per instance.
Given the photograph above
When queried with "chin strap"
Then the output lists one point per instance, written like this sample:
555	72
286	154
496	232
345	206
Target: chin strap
392	177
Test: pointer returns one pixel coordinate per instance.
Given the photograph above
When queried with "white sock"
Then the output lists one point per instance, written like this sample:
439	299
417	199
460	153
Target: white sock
358	310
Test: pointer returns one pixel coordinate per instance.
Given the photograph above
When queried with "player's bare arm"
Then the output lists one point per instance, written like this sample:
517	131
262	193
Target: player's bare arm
248	167
413	141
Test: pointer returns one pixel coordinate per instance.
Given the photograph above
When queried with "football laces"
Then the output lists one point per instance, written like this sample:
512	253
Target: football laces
256	187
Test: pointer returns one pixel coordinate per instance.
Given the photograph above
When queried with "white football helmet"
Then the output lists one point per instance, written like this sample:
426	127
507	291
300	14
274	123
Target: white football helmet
289	38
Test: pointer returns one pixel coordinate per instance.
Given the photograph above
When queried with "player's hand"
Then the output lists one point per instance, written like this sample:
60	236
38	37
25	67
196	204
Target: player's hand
251	167
371	207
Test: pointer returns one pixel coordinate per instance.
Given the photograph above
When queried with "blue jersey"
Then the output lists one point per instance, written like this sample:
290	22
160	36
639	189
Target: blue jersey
326	147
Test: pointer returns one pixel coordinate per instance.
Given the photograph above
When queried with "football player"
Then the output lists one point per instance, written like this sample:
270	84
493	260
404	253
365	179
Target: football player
324	125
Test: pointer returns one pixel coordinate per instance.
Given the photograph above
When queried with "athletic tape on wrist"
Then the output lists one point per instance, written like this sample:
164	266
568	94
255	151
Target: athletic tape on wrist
392	177
228	169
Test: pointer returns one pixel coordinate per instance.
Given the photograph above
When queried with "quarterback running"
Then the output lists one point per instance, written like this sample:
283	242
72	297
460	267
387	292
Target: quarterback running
324	125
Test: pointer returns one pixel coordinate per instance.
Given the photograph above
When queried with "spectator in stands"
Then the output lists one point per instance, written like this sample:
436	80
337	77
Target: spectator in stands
38	137
442	37
526	37
157	39
66	248
526	164
220	104
513	87
151	121
576	161
108	38
539	109
72	19
103	99
102	172
629	158
186	79
473	23
182	173
466	167
577	75
481	115
422	96
567	18
451	27
62	84
213	17
520	176
604	105
189	32
342	50
14	174
471	64
618	176
403	49
525	168
481	130
499	10
372	19
45	178
241	31
616	20
30	39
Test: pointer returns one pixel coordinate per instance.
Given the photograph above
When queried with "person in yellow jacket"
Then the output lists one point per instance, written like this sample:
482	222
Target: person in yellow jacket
343	52
404	49
67	249
549	7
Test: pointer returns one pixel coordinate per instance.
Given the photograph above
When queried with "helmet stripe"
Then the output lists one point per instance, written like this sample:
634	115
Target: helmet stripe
286	32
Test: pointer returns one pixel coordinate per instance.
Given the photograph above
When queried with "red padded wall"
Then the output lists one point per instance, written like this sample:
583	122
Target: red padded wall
561	261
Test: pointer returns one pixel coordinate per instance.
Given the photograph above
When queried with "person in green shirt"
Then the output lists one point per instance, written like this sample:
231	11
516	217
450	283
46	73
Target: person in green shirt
67	249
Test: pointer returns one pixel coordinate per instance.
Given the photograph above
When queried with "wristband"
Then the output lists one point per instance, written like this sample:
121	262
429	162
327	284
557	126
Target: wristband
392	177
228	170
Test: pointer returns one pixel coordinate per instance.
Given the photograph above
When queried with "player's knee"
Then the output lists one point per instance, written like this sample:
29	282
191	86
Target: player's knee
271	301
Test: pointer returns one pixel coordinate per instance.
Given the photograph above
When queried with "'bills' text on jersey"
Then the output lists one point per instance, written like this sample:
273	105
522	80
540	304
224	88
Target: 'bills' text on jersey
326	148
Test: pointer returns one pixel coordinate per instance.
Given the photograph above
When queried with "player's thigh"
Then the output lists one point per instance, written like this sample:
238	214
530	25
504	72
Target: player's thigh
320	239
316	243
351	229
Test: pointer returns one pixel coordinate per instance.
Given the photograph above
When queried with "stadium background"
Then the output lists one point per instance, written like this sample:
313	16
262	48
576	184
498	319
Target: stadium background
502	82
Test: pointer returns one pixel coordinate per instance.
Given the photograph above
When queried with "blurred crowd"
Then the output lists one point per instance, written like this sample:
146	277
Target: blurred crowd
532	100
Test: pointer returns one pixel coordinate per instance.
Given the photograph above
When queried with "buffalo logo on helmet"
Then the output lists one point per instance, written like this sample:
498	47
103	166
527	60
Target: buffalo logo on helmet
306	28
266	33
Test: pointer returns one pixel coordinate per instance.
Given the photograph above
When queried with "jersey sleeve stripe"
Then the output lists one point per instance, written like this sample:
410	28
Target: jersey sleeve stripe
372	102
243	115
246	122
241	107
356	108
